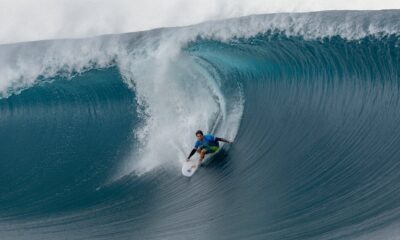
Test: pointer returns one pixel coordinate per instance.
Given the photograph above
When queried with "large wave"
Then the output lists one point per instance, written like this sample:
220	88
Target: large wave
94	130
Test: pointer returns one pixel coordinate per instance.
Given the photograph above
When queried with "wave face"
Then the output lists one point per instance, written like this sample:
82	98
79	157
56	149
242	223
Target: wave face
94	131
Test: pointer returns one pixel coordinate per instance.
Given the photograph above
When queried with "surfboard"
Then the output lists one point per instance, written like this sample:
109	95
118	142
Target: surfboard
191	166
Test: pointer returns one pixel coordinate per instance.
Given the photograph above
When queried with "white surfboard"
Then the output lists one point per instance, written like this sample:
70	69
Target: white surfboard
191	166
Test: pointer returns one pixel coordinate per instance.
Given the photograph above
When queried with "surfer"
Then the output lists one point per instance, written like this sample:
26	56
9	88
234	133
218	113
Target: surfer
206	144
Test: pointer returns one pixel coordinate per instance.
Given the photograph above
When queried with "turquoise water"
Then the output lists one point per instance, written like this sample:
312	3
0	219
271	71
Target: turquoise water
93	152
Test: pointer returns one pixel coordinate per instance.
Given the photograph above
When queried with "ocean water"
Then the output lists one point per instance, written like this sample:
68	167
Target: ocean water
94	131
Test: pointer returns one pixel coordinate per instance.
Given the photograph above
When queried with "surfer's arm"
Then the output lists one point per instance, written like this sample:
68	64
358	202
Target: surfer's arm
222	140
192	152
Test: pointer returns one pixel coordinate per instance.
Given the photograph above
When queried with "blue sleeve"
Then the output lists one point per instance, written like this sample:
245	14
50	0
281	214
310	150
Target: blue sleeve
210	137
197	144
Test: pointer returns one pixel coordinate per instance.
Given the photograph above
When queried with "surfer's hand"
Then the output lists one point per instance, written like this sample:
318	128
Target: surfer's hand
187	159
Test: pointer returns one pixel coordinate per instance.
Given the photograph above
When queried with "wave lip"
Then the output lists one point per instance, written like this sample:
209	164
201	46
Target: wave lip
23	63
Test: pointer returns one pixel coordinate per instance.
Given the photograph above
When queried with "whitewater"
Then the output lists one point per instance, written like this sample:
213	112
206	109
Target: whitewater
94	131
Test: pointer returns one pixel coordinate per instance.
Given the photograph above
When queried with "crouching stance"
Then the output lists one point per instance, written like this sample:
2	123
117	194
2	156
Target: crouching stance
206	144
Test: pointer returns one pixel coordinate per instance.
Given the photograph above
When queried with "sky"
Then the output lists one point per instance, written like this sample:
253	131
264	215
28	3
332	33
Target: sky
29	20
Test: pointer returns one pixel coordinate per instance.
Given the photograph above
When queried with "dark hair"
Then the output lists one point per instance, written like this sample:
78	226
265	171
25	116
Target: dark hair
199	132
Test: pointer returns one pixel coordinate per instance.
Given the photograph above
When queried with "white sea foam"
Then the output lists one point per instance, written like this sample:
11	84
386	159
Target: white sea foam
179	99
48	19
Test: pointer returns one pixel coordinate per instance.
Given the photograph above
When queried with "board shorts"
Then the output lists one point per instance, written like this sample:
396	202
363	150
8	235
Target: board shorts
211	149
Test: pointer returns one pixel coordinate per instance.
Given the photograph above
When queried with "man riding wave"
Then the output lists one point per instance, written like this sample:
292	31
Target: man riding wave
206	144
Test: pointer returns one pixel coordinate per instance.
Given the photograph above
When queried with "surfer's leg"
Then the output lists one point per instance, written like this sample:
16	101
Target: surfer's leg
199	151
202	154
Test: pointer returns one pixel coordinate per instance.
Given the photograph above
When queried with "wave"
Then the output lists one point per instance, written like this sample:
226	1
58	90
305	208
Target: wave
95	130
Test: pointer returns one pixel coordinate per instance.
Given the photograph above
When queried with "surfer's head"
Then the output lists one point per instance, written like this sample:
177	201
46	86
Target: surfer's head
199	135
